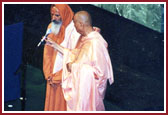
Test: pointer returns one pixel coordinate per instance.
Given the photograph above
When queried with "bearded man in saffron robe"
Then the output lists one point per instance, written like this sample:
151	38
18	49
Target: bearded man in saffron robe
62	31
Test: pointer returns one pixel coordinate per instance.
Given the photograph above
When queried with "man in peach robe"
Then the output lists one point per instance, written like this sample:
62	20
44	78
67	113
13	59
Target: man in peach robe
86	68
60	30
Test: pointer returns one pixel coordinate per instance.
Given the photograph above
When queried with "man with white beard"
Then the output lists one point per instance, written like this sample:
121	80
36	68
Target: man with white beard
56	25
62	31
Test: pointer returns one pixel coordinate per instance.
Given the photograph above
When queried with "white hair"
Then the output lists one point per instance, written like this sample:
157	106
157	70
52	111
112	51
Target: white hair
55	28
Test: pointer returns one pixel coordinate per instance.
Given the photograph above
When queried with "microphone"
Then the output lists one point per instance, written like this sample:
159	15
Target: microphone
47	33
42	40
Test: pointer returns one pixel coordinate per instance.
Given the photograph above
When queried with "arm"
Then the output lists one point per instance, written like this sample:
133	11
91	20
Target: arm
47	59
53	44
82	56
48	63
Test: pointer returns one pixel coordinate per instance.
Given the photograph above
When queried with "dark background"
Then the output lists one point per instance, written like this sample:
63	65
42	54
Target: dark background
137	55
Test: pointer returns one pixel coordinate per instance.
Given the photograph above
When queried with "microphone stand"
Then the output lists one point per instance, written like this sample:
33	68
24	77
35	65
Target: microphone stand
22	69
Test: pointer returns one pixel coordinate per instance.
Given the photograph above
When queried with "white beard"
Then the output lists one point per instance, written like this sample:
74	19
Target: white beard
55	28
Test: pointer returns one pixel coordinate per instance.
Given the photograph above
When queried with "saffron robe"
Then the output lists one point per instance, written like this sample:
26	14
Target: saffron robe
52	67
84	87
54	98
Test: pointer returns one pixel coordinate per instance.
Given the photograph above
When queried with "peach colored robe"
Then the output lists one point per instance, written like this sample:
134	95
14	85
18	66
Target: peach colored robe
84	87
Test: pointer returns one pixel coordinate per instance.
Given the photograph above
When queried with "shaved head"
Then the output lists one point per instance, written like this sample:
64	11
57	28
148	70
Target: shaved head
84	17
83	23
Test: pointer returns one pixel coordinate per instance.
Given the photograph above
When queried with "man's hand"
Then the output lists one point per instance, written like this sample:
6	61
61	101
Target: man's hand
96	29
51	82
53	44
50	42
69	66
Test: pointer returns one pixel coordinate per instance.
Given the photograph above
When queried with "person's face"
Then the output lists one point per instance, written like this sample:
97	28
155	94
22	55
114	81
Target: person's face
78	25
55	15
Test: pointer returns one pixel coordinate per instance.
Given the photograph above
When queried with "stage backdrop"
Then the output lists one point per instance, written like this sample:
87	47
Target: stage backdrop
12	60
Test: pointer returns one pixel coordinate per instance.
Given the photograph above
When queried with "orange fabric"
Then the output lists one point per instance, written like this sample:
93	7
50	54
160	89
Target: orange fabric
66	16
54	98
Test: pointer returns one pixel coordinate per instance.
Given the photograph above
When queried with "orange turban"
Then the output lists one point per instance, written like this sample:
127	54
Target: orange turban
66	16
